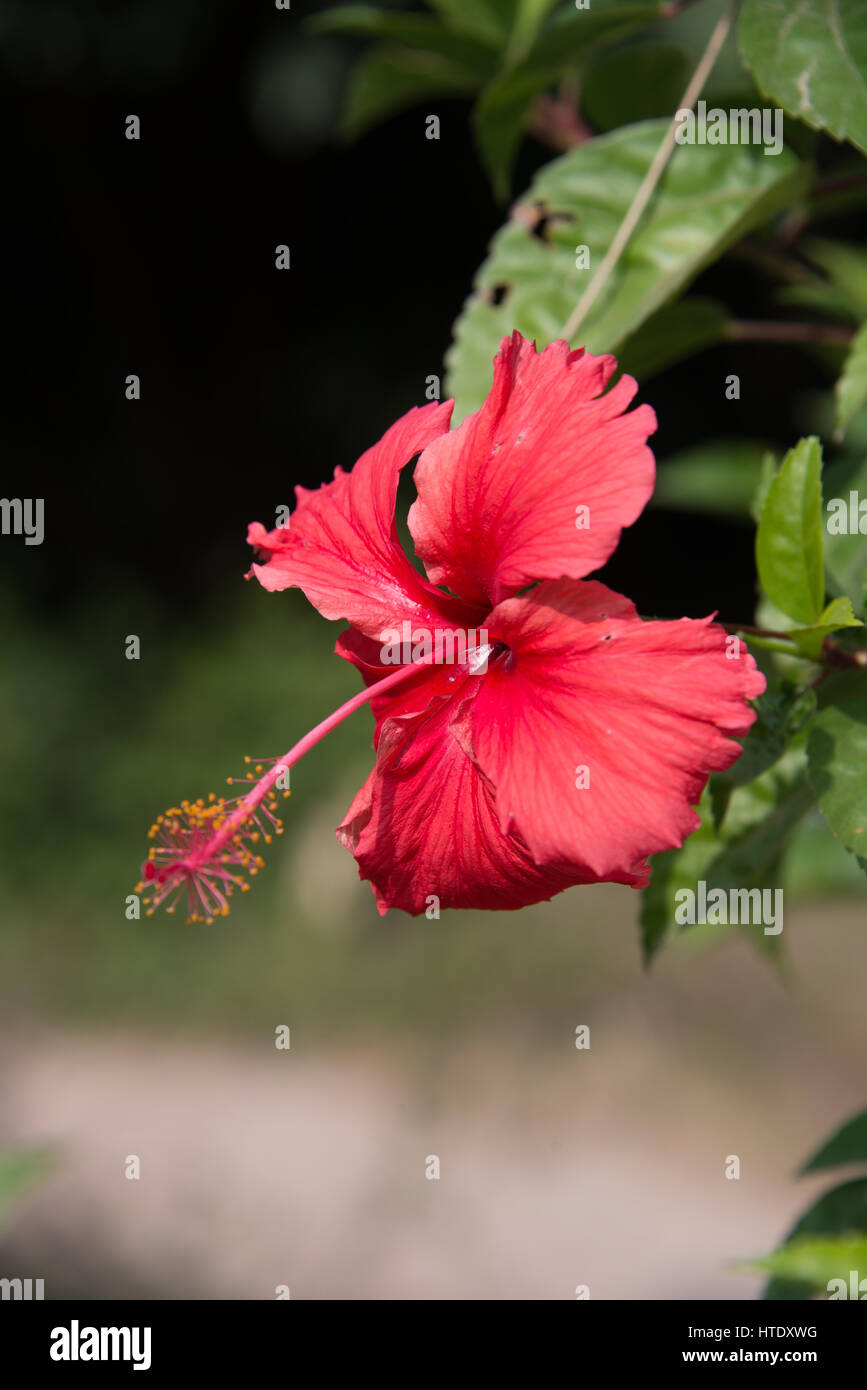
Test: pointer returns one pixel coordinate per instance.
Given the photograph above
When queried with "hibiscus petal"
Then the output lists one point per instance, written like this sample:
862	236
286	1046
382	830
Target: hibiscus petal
341	545
498	497
424	825
411	696
647	708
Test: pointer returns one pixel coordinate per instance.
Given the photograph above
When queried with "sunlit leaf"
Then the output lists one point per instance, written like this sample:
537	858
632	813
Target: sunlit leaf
709	196
810	56
834	618
789	538
837	1213
816	1261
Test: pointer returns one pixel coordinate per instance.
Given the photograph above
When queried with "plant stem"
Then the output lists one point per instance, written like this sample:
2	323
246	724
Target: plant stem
257	793
650	180
556	122
832	655
754	631
761	331
837	184
774	261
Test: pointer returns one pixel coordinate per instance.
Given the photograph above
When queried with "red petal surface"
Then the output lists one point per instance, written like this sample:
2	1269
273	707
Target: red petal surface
649	708
497	497
424	824
341	543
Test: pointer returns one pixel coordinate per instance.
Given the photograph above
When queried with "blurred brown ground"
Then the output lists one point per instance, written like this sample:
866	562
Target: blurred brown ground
558	1167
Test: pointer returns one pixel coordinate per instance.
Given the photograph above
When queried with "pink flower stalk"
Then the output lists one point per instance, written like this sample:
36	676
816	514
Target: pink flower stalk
565	748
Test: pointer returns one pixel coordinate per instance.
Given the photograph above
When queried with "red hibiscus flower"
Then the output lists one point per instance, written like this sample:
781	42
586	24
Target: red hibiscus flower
568	739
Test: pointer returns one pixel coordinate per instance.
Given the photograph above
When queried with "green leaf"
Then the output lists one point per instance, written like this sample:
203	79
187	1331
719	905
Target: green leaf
822	298
838	1212
678	330
836	616
761	818
509	26
780	716
848	1145
789	538
845	541
570	33
841	688
850	392
767	474
708	197
387	80
499	119
489	20
504	106
719	478
414	31
845	266
810	56
634	83
816	1261
672	871
837	751
746	853
529	15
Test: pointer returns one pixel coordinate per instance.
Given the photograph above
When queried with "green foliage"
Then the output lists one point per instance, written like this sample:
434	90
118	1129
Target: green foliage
780	715
386	80
847	1145
795	751
720	477
673	871
633	83
789	538
790	551
504	54
837	750
815	1261
741	848
851	389
834	618
709	197
571	37
811	59
845	546
830	1239
417	58
673	333
845	267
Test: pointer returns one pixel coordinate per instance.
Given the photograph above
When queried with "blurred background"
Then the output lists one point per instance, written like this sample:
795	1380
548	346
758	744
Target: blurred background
262	1167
